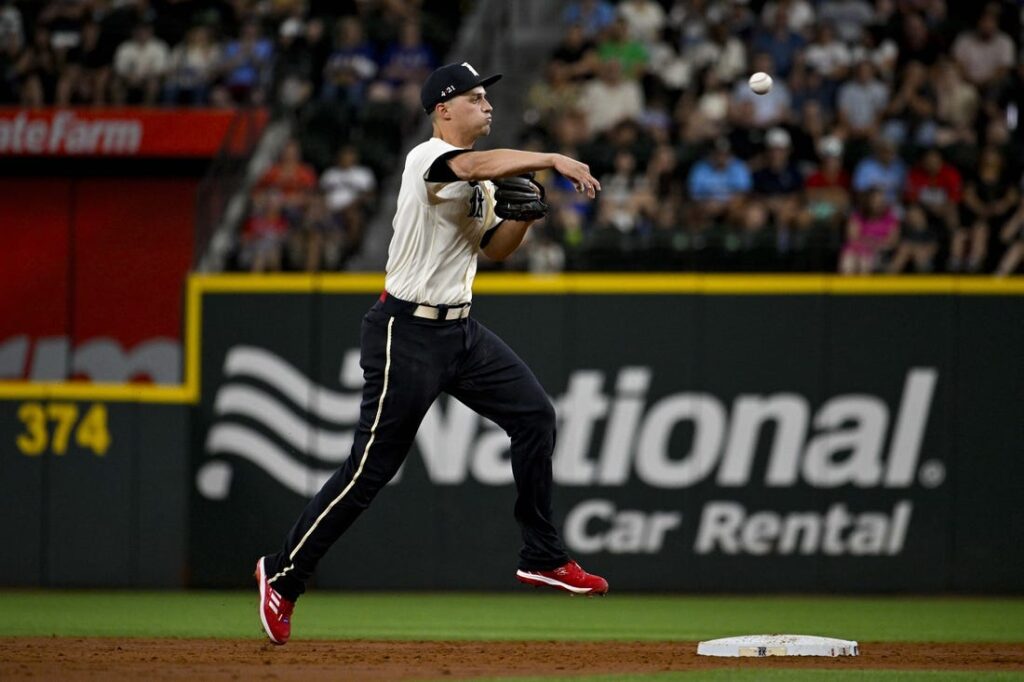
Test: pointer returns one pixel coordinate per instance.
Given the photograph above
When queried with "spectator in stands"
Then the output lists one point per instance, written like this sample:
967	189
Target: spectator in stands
850	17
12	30
722	53
543	252
610	98
827	190
293	64
828	56
956	105
292	180
264	234
704	117
916	42
806	136
799	14
139	66
37	70
64	22
192	68
618	46
318	42
872	230
409	60
778	186
877	47
935	187
861	103
593	16
246	64
910	114
807	86
348	189
322	241
551	97
985	54
749	110
988	202
781	43
89	68
578	53
626	198
918	243
351	66
719	186
882	169
645	19
664	175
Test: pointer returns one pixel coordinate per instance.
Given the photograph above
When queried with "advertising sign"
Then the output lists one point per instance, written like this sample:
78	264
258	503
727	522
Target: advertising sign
808	442
114	132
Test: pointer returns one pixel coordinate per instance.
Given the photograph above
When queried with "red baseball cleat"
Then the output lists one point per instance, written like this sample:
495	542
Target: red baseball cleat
571	577
275	610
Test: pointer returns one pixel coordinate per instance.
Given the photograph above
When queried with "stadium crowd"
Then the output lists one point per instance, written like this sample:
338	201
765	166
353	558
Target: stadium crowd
351	69
891	140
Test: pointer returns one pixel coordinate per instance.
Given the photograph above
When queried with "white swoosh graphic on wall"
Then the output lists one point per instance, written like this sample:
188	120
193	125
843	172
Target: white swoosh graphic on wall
245	401
328	405
252	446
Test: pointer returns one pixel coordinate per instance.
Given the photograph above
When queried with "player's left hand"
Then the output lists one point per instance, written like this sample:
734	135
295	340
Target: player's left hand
520	198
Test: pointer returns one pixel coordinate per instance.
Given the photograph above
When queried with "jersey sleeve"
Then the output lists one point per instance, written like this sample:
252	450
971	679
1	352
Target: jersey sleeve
430	164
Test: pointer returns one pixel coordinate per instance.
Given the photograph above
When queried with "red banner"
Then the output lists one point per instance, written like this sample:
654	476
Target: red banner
91	278
124	132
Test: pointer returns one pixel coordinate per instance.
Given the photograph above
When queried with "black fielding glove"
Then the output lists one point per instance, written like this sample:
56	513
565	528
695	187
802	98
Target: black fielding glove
520	198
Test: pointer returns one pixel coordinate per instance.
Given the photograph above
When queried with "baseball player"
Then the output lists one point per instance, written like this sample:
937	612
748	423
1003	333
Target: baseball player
419	340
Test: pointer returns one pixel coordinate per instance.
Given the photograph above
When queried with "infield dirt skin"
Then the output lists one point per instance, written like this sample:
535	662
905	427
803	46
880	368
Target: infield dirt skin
68	658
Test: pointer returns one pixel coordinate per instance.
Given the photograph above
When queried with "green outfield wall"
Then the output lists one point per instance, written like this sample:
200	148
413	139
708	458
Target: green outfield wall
752	434
719	439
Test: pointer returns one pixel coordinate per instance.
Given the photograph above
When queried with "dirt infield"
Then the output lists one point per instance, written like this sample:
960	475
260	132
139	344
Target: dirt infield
124	659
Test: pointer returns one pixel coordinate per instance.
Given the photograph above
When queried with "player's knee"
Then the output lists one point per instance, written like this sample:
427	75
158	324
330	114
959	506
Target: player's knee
539	421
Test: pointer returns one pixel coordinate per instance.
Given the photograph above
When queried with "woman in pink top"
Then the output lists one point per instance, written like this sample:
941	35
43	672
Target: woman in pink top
869	232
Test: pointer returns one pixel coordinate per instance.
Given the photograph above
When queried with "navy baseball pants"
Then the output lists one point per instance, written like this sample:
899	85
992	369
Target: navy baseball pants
407	363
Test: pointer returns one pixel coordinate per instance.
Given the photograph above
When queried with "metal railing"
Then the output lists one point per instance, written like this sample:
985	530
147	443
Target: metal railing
226	175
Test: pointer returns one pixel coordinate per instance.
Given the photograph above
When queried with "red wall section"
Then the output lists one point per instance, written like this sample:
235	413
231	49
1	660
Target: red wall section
90	258
34	242
133	248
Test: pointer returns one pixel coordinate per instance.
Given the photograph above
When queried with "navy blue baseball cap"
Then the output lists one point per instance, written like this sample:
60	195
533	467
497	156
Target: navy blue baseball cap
449	81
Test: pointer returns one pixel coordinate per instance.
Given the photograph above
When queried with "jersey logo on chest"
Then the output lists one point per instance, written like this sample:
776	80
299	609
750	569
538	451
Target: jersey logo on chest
476	203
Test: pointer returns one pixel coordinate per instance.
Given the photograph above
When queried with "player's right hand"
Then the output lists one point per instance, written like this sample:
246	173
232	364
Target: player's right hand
578	173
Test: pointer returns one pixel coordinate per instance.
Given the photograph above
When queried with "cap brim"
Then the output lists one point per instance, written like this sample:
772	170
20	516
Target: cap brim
482	82
490	80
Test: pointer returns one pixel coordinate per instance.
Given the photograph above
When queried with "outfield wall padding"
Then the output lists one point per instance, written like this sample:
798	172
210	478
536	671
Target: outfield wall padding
707	442
95	493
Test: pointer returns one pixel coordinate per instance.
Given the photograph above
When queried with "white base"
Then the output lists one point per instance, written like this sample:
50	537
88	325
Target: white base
778	645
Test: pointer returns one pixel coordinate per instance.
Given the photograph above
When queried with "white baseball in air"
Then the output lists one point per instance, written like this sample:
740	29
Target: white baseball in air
761	83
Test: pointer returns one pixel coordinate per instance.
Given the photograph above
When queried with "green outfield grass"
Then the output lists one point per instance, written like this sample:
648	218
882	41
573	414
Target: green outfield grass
526	615
789	676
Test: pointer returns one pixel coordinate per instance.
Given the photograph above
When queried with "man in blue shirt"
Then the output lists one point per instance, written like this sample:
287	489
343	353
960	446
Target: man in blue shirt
883	169
246	62
718	186
593	15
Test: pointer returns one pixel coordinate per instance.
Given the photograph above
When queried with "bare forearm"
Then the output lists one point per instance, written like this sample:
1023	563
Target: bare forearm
506	239
499	163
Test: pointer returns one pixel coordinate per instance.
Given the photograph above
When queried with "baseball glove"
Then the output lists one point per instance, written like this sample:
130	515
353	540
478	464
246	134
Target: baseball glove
519	197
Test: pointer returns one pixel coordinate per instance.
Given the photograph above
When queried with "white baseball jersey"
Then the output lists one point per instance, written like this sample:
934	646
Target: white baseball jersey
438	228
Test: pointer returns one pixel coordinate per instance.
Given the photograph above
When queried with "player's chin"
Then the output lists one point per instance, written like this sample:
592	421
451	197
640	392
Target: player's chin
485	129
